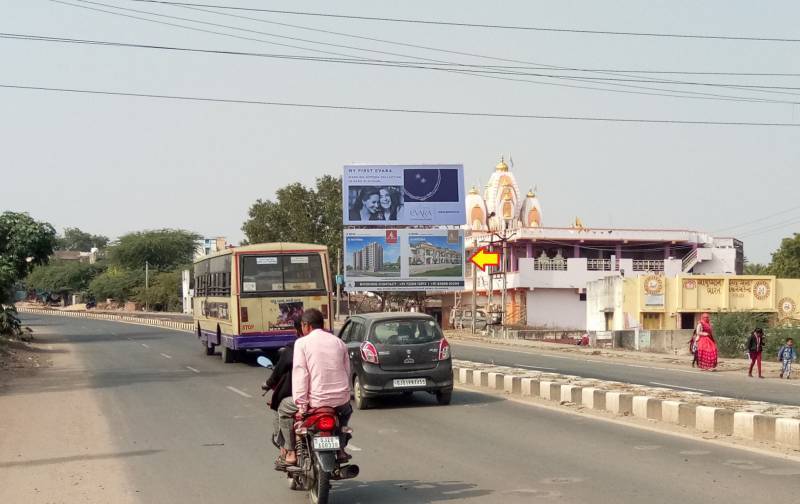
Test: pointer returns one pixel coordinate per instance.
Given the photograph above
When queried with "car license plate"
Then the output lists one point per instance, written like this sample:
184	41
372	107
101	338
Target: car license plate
410	382
326	443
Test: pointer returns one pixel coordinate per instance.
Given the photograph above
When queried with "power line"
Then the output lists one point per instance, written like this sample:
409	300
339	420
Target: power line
398	110
773	227
671	93
761	219
482	25
463	67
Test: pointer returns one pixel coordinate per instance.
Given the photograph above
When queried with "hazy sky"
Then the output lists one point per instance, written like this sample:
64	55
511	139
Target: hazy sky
111	164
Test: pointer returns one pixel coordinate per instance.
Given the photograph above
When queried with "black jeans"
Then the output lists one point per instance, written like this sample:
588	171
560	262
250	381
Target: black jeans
344	412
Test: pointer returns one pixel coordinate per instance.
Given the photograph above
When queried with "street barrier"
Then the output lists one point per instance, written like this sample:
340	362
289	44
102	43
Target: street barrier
169	324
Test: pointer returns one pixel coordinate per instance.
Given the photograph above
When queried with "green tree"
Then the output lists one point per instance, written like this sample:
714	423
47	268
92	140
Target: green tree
24	243
300	214
786	260
63	276
164	292
163	249
731	330
116	283
756	269
75	239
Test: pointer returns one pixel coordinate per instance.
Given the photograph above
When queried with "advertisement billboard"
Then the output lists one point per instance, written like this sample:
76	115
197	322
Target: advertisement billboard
404	260
403	195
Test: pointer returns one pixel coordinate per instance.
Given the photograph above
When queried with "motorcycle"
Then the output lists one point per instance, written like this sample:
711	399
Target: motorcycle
318	440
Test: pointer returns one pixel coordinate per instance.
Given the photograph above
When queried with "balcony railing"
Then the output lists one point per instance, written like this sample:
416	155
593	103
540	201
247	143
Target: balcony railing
648	265
598	264
556	264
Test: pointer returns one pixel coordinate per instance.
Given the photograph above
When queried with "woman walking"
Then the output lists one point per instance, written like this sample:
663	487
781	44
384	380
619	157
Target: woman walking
755	345
707	353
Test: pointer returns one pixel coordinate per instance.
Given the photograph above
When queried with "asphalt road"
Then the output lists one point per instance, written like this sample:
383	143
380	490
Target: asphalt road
190	429
722	384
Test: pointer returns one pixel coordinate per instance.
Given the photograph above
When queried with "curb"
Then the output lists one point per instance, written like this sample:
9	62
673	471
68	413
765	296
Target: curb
721	421
169	324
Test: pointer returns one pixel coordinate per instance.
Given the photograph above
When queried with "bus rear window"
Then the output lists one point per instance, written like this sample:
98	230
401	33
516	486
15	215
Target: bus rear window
282	273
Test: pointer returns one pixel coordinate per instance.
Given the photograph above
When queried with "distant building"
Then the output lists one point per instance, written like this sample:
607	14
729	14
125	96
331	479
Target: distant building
75	255
427	253
208	246
370	258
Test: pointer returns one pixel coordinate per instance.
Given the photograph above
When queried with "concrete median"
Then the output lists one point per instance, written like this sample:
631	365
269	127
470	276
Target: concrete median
678	413
550	391
512	384
714	420
619	403
531	387
496	381
749	425
647	407
572	393
593	398
787	432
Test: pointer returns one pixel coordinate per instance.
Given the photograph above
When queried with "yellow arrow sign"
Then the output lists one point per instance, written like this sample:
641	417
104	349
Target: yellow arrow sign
483	258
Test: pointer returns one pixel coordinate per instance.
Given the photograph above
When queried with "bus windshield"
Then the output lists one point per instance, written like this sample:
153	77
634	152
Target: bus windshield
282	273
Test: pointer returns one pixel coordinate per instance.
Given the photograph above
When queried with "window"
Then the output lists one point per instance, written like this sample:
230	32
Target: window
345	334
282	273
406	332
357	333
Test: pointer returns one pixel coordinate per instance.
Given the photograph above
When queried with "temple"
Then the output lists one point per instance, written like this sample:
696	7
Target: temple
548	268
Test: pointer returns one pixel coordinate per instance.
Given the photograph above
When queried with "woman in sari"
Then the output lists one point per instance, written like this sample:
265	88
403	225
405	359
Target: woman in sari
706	346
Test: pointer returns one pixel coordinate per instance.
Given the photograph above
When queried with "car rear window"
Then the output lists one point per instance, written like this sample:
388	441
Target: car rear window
406	332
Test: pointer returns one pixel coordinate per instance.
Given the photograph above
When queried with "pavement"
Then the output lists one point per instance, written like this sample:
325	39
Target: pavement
170	425
636	368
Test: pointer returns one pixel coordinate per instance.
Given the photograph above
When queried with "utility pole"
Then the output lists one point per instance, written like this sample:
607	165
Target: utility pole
146	284
338	284
474	294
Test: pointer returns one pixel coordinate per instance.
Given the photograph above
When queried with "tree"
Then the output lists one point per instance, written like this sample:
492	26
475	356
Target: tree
300	214
75	239
24	243
786	260
164	292
163	249
756	269
116	283
63	276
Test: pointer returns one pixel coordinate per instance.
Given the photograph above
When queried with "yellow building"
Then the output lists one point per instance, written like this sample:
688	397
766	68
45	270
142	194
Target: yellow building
657	302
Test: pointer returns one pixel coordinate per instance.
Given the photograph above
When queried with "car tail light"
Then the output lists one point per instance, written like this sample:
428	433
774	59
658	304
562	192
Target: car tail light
369	353
326	423
244	314
444	350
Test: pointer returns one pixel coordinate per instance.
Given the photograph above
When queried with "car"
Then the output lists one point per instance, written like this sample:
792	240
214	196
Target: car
397	354
462	319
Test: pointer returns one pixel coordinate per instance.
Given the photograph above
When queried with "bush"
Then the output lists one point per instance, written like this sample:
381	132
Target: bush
776	337
165	292
116	283
731	331
63	276
10	324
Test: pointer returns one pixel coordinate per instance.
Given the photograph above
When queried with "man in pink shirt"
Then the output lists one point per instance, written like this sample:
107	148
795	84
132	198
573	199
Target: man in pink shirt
320	375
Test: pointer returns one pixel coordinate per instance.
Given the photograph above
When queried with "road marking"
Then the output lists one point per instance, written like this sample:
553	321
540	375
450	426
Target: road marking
637	366
145	345
237	391
353	447
682	388
190	368
534	367
166	356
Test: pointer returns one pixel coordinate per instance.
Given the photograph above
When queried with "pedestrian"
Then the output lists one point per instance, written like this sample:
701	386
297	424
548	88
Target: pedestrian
707	353
786	355
693	347
755	346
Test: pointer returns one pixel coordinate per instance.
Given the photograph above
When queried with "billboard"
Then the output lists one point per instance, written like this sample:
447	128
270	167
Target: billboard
403	195
404	260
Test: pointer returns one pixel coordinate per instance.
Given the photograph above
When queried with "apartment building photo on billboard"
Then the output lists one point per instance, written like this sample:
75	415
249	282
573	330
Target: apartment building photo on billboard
369	258
370	255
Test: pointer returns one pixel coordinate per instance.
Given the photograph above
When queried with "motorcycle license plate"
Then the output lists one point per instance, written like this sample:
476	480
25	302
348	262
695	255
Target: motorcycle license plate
410	382
326	443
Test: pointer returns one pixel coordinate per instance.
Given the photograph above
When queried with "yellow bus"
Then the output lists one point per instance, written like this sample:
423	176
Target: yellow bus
249	297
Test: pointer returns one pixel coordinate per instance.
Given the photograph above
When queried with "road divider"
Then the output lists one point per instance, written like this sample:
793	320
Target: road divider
129	319
760	422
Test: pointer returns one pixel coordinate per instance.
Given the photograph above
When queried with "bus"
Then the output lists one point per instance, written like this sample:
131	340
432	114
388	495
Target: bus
249	297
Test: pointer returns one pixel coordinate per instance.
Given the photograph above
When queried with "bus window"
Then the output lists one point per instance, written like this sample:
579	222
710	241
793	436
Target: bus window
303	273
262	274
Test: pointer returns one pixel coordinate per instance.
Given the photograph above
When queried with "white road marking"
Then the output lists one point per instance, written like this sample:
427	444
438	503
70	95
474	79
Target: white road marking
237	391
682	388
637	366
353	447
166	356
145	345
190	368
535	367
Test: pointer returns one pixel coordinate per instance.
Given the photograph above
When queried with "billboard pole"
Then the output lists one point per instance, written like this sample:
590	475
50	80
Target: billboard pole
338	283
474	295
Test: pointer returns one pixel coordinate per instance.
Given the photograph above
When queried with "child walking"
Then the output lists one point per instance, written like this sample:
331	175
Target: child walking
786	355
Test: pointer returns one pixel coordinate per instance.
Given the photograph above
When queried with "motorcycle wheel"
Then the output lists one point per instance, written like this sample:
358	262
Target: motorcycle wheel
294	484
321	486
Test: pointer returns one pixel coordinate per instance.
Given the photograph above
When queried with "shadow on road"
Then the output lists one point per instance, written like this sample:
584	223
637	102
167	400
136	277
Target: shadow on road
77	458
426	400
406	491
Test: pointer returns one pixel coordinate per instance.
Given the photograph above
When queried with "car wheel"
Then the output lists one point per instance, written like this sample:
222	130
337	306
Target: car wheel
362	402
443	398
209	348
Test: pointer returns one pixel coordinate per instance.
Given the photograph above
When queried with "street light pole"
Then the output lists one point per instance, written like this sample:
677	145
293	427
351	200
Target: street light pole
146	285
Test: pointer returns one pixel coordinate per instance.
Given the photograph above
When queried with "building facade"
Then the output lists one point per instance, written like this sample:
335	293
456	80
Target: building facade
427	253
651	302
370	258
548	268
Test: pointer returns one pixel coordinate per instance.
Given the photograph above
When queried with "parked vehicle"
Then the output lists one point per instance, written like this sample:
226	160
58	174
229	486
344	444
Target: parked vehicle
397	353
462	319
319	437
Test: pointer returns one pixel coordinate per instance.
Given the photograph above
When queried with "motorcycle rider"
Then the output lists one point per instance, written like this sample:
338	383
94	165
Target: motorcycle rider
280	382
320	378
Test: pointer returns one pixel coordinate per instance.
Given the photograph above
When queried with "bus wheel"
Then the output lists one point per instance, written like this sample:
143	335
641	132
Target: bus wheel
209	348
227	355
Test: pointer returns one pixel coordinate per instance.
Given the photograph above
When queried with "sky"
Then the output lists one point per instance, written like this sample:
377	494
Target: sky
437	241
112	165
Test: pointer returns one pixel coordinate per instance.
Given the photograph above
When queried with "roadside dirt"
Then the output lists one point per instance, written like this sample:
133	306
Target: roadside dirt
55	445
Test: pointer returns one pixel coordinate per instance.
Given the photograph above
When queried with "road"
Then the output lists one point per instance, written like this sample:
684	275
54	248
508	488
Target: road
188	429
722	384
